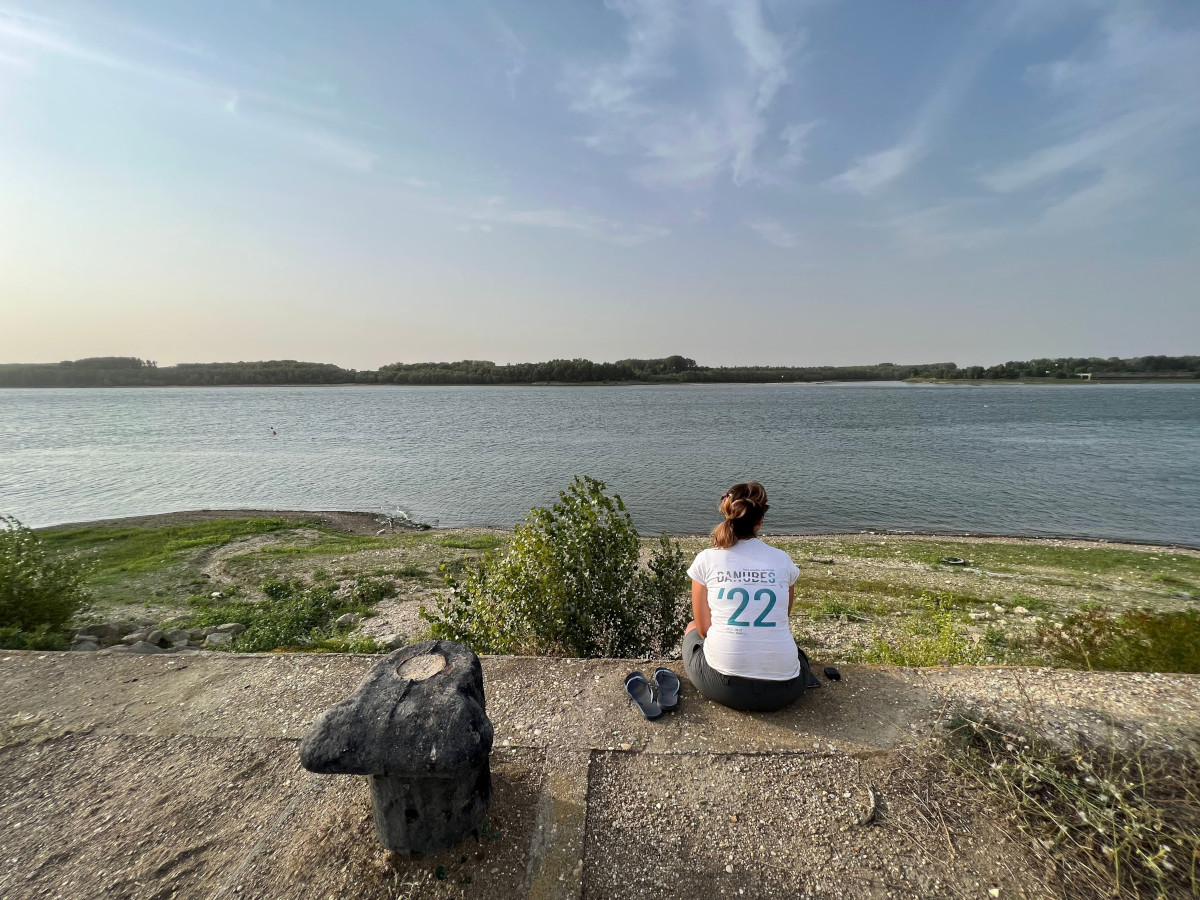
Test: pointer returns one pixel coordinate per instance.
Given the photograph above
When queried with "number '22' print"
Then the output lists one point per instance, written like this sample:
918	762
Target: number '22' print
758	595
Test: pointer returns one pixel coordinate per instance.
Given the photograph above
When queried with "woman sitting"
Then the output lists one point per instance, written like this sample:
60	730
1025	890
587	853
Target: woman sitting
739	650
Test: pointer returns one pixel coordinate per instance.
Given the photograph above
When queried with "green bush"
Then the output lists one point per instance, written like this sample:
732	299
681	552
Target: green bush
39	592
569	584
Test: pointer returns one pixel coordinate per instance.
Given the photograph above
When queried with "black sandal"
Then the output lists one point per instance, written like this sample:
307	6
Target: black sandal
667	683
638	688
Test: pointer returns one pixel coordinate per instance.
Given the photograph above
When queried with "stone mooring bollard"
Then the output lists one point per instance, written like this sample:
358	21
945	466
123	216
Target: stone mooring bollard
418	727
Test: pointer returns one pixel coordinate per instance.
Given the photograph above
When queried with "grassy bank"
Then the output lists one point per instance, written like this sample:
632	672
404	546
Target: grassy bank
873	598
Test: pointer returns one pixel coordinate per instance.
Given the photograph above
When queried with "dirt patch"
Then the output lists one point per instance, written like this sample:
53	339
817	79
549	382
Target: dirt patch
792	825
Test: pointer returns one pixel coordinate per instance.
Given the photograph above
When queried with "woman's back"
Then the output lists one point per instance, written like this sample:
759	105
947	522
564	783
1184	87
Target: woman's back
748	596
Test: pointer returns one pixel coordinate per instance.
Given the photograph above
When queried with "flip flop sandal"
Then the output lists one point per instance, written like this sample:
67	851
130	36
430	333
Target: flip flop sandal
638	688
667	683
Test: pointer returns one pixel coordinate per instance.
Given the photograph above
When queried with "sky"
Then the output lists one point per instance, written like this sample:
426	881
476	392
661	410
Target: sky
737	181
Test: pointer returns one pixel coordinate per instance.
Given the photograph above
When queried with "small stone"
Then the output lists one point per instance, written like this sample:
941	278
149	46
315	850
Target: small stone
219	639
87	643
216	595
993	892
1020	611
627	746
729	868
232	628
348	620
394	641
135	637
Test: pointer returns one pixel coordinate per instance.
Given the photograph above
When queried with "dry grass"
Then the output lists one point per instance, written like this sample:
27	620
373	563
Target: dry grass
1116	821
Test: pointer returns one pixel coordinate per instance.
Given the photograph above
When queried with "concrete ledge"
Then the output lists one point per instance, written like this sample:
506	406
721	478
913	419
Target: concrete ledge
161	776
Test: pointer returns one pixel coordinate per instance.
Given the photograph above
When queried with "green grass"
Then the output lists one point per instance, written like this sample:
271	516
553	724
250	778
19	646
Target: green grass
929	637
115	552
1163	565
1135	641
331	543
485	542
813	583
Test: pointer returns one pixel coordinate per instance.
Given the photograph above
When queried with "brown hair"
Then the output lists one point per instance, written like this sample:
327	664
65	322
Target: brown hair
743	507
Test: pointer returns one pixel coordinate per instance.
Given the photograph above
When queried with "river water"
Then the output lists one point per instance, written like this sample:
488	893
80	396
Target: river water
1112	461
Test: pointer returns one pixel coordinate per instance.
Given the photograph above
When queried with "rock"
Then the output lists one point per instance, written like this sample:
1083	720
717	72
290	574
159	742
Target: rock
1020	611
218	640
155	637
393	641
87	642
175	635
349	620
139	647
979	616
135	637
216	595
197	634
107	633
232	628
418	727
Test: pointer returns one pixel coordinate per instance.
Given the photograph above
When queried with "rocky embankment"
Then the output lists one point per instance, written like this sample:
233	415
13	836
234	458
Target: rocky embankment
147	636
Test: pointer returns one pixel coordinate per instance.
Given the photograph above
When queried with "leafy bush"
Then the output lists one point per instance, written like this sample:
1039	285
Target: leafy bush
39	592
569	584
1135	641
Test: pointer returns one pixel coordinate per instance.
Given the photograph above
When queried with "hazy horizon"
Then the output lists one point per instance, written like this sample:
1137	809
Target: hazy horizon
738	181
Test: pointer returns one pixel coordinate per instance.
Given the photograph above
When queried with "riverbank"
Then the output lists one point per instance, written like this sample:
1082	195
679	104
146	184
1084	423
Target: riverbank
885	598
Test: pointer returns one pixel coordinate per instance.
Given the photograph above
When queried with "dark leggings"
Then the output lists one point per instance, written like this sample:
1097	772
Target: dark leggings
749	694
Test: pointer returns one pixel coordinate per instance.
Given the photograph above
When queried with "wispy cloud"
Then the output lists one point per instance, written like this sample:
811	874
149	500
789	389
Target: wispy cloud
496	212
874	171
516	53
638	102
1127	100
775	233
40	35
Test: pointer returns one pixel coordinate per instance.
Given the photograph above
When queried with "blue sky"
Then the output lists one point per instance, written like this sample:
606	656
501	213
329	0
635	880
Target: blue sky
738	181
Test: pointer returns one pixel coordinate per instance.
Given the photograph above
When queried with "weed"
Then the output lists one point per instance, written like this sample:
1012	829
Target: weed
1116	822
369	591
931	637
296	614
1135	641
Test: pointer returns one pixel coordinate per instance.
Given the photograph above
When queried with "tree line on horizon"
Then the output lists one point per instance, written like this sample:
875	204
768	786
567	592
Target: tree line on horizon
122	371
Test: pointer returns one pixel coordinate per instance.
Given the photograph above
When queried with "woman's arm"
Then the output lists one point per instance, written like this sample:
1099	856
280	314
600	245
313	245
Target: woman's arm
700	611
791	599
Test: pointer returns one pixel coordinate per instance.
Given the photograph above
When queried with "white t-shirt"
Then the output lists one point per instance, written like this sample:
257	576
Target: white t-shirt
748	595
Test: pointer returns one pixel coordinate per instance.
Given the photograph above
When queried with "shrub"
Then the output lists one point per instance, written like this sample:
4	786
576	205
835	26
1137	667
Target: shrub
39	592
569	584
1135	641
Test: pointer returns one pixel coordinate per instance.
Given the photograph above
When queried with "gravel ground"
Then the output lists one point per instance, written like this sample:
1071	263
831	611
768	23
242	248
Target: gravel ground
153	777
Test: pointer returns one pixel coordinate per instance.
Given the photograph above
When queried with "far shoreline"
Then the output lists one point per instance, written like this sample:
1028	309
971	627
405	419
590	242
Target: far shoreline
969	382
367	523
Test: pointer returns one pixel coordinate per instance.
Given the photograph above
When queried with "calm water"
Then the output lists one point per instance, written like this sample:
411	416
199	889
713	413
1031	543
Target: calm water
1105	461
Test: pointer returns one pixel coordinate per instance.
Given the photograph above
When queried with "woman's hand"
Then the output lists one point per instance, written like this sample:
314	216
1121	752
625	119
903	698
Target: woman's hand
701	614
